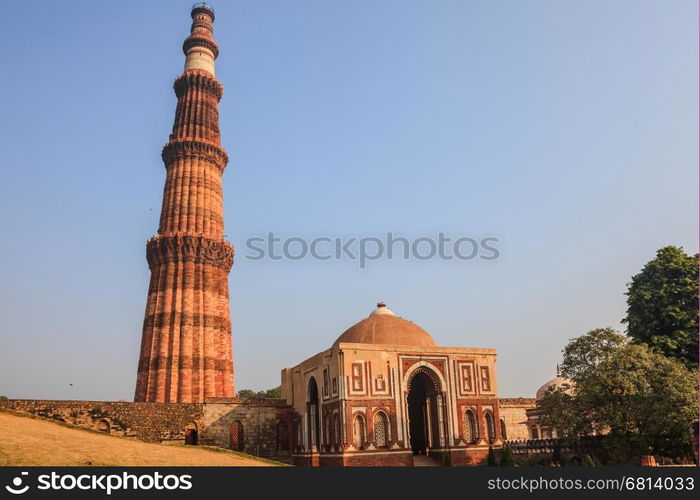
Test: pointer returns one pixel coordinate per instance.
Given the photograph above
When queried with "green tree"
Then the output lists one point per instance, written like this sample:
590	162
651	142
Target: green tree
623	390
662	305
275	392
563	406
584	354
564	413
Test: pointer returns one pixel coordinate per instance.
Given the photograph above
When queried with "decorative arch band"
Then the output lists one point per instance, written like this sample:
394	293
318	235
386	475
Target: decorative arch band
429	373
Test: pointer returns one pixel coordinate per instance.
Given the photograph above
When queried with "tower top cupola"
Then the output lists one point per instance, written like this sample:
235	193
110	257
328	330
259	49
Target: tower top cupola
200	48
202	8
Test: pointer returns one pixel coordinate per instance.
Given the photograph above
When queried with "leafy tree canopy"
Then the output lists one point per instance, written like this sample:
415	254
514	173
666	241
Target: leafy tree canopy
662	305
275	392
622	389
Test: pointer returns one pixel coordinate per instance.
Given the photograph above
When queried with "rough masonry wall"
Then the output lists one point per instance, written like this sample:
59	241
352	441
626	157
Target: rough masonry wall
150	422
166	422
260	428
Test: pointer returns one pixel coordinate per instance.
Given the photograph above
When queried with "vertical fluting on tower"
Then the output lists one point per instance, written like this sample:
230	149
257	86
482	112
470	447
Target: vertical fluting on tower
186	353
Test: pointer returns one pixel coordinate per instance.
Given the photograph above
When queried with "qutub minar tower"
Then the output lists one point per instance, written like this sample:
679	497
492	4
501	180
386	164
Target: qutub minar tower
186	352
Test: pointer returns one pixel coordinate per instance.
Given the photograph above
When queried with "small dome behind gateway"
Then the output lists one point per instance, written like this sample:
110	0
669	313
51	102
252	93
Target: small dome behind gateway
556	382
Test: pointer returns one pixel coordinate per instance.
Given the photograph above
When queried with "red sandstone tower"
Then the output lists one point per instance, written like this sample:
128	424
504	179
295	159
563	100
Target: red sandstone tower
186	352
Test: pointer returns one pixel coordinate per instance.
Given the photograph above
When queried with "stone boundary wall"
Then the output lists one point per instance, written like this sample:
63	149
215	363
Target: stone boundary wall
541	451
249	401
150	422
260	421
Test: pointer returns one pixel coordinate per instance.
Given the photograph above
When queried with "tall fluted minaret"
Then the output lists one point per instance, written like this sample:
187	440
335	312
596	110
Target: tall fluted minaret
186	352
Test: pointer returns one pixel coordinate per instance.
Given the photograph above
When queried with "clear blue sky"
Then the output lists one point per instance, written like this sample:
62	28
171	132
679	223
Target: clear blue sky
567	129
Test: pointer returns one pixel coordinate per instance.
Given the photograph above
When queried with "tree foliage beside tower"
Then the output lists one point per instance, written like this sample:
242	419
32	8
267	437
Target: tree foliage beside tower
636	392
662	305
275	392
630	394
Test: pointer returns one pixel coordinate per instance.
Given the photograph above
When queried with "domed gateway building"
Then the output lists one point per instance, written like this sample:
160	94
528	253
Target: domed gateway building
385	393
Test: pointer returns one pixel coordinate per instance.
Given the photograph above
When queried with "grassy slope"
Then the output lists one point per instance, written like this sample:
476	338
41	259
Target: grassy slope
31	441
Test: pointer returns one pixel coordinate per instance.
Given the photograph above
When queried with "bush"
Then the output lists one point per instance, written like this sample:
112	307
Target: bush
556	455
491	459
507	460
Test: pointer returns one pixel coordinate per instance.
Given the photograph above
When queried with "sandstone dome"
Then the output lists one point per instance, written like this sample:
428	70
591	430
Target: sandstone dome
557	381
384	327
